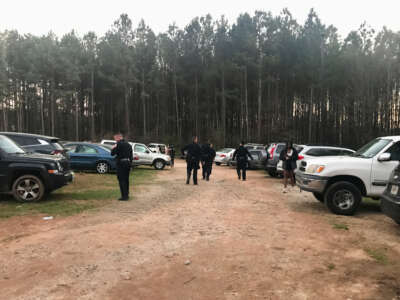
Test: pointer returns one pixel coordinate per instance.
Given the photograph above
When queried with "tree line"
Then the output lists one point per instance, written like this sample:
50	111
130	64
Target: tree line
262	78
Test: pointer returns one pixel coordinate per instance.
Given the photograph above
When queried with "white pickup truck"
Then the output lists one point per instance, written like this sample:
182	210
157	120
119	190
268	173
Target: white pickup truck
341	181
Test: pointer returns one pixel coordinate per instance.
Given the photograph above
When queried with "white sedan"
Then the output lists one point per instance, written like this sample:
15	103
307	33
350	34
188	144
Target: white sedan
224	156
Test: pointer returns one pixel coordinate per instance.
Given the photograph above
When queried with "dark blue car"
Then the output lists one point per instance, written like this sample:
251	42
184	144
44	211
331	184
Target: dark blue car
88	156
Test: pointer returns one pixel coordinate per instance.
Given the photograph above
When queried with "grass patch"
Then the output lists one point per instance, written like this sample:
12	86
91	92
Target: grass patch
331	267
88	191
378	254
340	226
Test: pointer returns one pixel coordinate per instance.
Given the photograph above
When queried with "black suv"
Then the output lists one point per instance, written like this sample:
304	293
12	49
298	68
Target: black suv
28	176
37	143
390	200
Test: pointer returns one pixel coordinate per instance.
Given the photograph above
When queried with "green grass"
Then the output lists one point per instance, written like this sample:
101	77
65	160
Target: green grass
340	226
378	254
88	191
331	266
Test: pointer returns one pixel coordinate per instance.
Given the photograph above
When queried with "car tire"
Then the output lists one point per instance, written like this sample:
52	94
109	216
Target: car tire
343	198
319	197
28	188
218	163
159	164
272	173
102	167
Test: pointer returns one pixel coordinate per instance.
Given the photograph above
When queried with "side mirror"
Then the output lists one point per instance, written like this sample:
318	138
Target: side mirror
384	157
147	151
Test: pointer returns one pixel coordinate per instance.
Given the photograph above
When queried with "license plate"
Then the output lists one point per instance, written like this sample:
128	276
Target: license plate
394	190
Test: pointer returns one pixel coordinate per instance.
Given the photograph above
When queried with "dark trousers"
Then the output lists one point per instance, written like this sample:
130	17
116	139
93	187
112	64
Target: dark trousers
172	161
123	170
192	166
207	169
241	169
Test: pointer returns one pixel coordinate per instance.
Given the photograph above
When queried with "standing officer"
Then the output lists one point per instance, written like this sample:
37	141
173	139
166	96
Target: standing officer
241	154
124	153
209	160
171	152
193	158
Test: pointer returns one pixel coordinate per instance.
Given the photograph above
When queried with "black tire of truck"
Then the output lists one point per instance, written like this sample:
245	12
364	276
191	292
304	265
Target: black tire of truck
159	164
319	197
343	198
28	188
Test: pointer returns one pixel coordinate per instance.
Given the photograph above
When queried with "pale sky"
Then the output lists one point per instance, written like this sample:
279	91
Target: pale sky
41	16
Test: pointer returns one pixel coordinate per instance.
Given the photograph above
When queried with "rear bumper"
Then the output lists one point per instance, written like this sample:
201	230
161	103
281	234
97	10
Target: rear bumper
221	160
311	183
390	207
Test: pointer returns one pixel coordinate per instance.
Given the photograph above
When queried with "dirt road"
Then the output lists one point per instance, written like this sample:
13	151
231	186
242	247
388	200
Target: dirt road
223	239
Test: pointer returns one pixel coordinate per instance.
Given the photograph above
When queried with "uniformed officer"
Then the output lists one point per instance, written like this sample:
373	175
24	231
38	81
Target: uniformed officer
241	155
124	157
208	155
193	158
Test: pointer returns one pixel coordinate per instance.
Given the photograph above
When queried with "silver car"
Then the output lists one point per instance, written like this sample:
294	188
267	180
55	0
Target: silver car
224	156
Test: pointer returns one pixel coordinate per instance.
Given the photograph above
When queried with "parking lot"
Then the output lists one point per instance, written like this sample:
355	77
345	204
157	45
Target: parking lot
223	239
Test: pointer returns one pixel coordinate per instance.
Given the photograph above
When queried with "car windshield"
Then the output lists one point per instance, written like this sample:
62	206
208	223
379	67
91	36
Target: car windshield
9	146
372	148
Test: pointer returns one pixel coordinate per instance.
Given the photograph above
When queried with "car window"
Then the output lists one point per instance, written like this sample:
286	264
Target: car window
71	148
255	154
347	152
9	146
25	140
109	143
280	148
84	149
140	149
372	148
394	151
315	152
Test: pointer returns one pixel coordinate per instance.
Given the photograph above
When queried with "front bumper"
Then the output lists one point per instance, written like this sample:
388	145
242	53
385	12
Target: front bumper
56	181
311	183
390	207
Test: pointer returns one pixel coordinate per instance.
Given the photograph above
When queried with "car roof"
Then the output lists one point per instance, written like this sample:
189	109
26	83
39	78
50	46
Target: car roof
393	137
327	147
6	133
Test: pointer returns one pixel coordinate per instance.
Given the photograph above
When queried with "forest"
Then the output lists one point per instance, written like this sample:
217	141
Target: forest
263	78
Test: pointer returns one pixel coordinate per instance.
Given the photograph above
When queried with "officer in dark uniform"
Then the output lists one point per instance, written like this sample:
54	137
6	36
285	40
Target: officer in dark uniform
209	161
241	155
124	156
171	153
193	158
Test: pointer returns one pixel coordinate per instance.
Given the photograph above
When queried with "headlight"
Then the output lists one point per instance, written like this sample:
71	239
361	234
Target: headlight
315	169
60	168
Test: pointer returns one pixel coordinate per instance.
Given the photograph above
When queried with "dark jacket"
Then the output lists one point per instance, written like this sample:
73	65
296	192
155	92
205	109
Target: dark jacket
207	153
241	154
193	152
289	161
123	150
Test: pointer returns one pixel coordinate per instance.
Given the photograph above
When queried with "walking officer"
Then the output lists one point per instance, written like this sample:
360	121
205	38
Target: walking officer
193	158
124	156
208	156
241	155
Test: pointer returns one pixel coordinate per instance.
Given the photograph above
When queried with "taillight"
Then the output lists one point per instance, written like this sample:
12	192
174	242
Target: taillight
57	152
230	156
223	155
272	152
136	158
301	157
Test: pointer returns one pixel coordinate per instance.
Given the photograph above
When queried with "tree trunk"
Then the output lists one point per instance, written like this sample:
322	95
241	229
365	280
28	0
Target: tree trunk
176	106
76	116
197	105
144	106
310	116
246	103
126	104
259	103
92	127
52	109
223	107
42	111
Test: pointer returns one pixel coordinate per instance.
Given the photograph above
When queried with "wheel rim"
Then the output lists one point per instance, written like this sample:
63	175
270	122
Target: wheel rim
159	164
343	199
102	168
28	189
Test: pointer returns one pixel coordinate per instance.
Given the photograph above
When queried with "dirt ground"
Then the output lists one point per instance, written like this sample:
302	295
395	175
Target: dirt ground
224	239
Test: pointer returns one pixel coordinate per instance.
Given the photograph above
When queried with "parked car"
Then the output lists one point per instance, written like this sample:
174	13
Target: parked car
390	199
274	150
258	162
37	143
341	182
160	148
87	156
224	156
307	152
108	142
253	146
147	157
29	176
